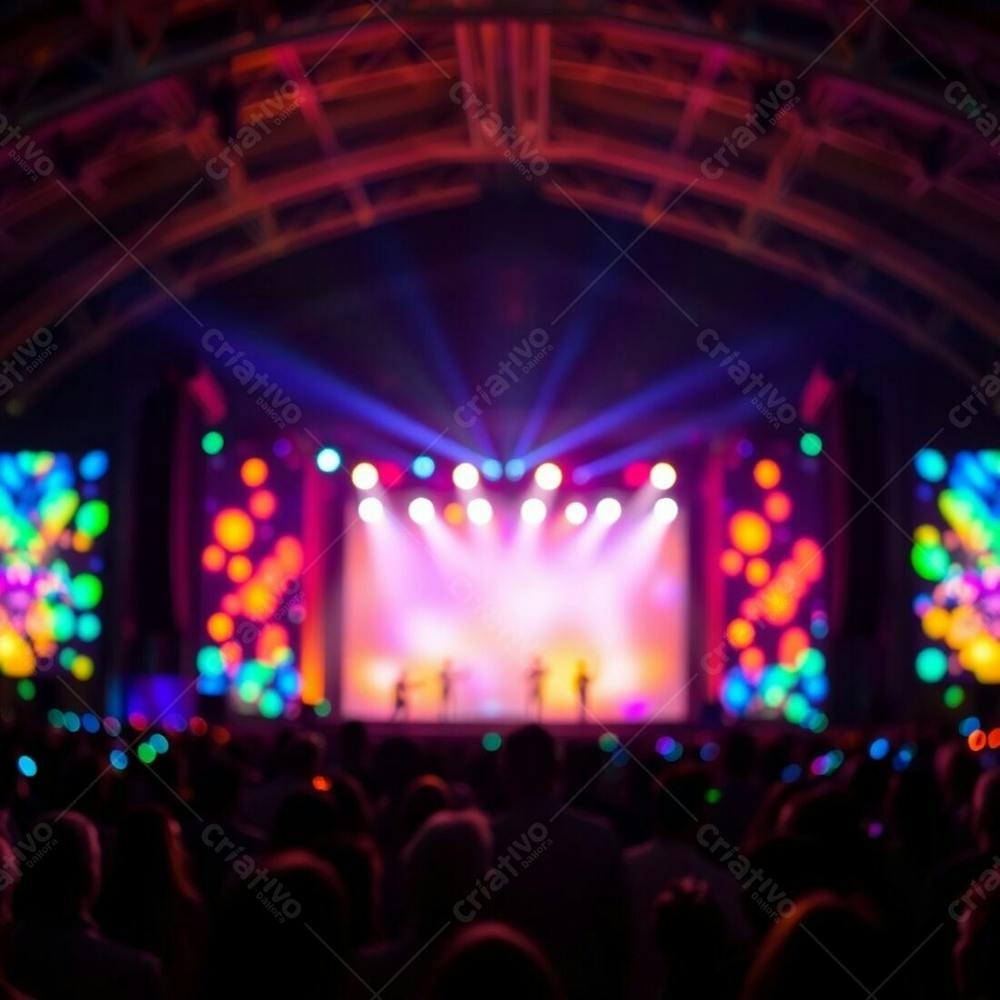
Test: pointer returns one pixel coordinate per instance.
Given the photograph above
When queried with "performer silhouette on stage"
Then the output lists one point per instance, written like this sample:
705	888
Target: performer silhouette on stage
401	706
536	675
447	677
583	680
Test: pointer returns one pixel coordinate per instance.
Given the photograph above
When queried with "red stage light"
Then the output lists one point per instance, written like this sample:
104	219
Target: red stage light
636	474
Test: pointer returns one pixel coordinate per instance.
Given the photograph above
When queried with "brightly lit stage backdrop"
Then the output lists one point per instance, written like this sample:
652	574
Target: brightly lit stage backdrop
463	594
773	562
454	599
53	518
956	559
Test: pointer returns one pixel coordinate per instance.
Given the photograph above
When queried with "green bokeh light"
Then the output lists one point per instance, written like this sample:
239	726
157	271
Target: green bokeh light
811	444
212	443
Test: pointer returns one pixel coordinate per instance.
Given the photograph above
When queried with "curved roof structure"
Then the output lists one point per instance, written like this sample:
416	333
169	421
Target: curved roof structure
199	139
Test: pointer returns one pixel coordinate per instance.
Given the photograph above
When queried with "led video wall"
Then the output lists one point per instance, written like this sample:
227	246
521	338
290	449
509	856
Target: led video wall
480	604
53	518
773	567
252	561
956	560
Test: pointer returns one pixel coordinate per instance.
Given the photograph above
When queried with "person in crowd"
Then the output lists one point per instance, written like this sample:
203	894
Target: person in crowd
58	950
676	850
148	900
442	865
284	934
562	871
491	961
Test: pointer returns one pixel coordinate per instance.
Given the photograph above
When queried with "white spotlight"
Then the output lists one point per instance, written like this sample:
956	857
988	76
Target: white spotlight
479	511
534	510
370	510
608	510
665	510
421	510
365	476
576	512
465	476
663	475
548	476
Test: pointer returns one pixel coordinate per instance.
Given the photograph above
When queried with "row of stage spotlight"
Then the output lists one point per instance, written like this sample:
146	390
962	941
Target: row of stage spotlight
534	510
548	476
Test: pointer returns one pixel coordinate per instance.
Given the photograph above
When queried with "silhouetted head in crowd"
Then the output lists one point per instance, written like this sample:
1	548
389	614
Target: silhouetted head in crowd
280	935
957	769
148	856
423	797
305	819
691	936
397	762
986	810
352	747
530	762
739	754
8	879
352	803
218	784
679	800
976	950
442	864
795	960
492	961
63	886
297	755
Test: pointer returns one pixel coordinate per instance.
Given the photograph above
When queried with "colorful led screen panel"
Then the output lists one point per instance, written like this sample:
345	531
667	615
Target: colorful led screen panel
475	607
956	561
53	521
773	566
251	566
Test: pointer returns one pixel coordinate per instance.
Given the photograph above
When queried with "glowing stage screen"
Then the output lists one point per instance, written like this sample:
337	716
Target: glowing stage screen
53	518
493	611
956	559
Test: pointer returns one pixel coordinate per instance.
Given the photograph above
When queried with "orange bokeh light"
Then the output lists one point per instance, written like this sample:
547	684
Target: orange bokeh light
752	658
233	529
454	514
758	571
253	472
994	739
239	569
272	638
213	558
288	552
791	643
809	558
749	532
258	600
262	504
767	474
231	604
778	506
220	626
977	740
740	633
232	653
731	562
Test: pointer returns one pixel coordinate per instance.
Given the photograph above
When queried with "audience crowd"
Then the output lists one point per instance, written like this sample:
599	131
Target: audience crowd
751	864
